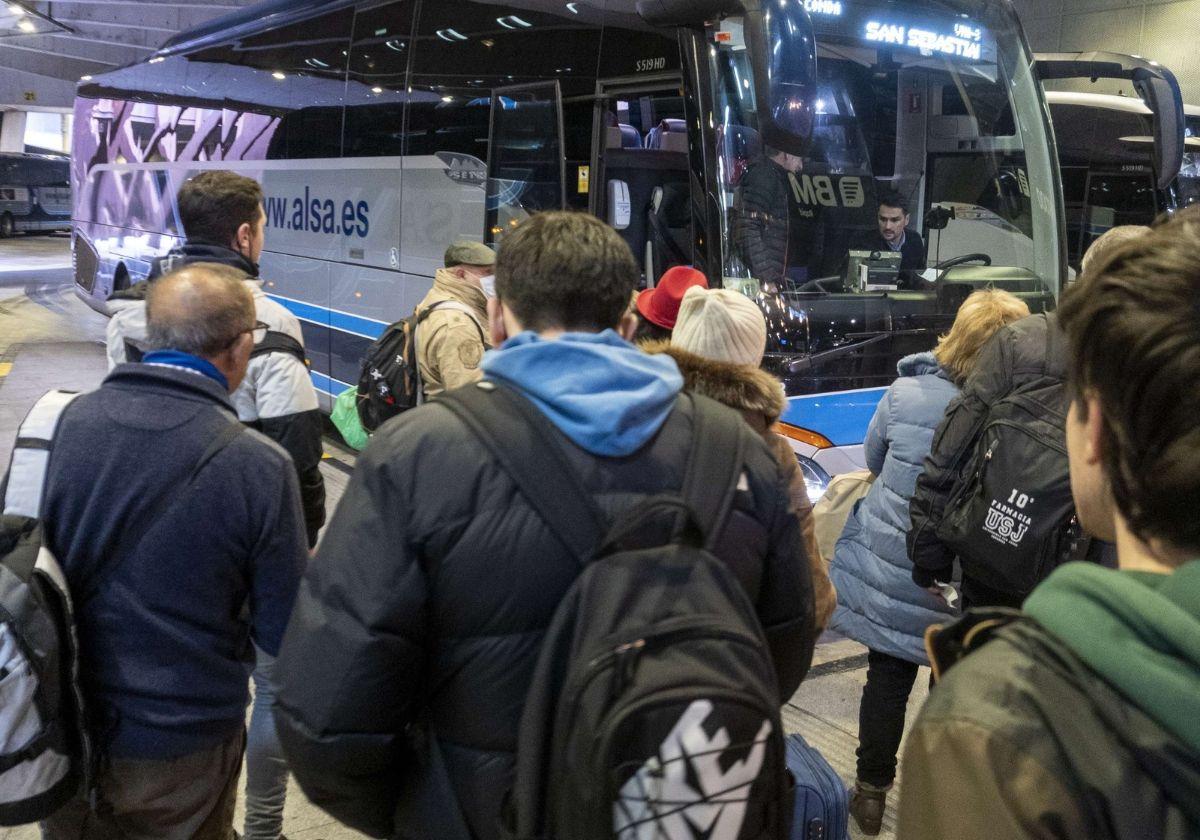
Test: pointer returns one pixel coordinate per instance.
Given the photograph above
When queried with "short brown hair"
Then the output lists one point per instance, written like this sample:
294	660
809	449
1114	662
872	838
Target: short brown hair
1109	241
980	316
200	309
214	204
1133	332
563	270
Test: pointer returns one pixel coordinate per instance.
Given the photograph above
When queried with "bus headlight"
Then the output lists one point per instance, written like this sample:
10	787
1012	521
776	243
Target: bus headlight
815	477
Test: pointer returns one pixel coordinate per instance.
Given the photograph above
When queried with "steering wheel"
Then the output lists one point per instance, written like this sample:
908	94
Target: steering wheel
965	258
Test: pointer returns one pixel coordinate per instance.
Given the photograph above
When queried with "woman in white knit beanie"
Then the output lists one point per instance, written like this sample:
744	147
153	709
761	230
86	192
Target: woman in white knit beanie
722	325
718	344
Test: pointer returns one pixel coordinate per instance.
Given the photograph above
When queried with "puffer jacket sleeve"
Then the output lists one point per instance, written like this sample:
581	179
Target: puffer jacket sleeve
760	224
875	447
786	605
288	413
953	444
350	669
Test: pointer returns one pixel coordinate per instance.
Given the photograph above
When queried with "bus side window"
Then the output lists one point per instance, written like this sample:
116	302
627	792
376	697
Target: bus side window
378	76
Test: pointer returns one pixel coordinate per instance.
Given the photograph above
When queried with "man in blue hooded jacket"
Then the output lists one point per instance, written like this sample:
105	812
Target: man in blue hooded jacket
427	602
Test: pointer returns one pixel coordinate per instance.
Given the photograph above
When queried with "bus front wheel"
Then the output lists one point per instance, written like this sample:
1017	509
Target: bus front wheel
7	226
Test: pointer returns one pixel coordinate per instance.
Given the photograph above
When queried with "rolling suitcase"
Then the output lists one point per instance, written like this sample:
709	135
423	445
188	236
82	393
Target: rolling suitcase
822	809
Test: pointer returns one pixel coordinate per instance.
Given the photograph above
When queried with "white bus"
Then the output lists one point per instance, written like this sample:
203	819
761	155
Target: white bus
383	130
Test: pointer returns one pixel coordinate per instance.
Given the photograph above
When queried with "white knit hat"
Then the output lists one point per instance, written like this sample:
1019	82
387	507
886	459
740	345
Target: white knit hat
722	325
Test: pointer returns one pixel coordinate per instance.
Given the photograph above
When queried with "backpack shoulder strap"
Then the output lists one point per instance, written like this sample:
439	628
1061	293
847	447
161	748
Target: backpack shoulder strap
527	446
457	307
280	342
715	464
26	479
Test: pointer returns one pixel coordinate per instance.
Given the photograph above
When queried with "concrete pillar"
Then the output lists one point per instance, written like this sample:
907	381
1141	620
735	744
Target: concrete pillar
12	132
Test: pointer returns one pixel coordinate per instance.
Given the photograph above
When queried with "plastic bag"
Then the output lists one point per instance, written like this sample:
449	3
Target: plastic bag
345	418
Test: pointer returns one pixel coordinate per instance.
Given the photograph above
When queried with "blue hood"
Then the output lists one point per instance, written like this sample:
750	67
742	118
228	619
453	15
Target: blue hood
920	364
599	390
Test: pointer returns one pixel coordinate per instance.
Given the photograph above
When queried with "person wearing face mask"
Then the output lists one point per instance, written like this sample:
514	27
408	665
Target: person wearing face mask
451	339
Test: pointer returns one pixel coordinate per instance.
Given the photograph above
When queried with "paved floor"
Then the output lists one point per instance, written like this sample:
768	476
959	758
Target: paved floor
48	339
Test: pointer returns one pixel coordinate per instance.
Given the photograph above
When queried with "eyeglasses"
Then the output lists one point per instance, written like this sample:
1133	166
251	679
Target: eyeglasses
260	331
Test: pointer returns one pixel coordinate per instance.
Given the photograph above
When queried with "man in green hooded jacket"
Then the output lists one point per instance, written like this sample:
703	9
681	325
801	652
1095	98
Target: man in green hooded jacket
1080	717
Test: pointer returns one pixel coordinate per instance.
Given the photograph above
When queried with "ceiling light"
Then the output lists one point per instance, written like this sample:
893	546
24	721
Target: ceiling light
27	25
278	74
573	8
512	22
158	59
85	78
394	44
16	9
447	98
451	35
376	90
316	62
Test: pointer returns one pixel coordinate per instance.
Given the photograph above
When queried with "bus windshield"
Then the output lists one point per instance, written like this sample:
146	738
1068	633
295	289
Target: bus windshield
930	150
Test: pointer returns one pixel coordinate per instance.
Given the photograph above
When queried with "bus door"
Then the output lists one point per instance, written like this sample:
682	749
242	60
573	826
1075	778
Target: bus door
641	181
526	162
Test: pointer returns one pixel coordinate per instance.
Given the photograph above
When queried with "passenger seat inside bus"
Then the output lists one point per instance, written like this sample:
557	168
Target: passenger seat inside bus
655	174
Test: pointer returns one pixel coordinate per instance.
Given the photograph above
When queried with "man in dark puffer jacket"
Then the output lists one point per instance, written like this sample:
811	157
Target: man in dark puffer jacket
427	602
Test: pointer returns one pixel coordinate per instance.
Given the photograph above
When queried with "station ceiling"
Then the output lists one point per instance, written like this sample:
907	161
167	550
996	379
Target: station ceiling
75	38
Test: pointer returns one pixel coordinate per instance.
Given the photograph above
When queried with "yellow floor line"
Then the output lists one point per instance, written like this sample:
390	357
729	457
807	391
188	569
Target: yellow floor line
5	369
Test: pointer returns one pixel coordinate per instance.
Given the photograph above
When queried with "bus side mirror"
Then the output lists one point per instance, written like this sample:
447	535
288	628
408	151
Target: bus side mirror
783	55
1161	94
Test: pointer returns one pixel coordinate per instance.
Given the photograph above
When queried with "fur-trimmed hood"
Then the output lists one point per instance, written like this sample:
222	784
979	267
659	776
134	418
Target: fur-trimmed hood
749	390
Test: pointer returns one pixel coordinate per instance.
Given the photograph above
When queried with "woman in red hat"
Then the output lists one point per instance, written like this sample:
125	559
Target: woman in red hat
659	307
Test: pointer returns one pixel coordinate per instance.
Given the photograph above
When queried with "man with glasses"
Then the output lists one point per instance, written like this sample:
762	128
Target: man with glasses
221	213
182	540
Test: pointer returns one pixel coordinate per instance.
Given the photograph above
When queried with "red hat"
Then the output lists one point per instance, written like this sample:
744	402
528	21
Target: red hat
660	305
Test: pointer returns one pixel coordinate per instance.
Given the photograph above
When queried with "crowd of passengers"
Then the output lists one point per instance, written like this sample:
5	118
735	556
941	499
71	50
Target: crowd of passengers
391	662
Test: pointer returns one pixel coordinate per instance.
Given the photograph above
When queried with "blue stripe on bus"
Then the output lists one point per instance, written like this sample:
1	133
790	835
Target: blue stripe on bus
338	320
843	418
327	384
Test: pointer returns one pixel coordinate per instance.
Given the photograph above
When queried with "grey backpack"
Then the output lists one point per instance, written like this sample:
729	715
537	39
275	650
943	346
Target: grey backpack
44	748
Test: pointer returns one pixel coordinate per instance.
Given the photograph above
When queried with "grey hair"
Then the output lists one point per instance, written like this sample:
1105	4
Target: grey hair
200	309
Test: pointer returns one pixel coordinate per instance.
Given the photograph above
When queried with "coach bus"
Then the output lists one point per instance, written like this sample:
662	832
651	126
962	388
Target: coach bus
35	194
383	130
1108	175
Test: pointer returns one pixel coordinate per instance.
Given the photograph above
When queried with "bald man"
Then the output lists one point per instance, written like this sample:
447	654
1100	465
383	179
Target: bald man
181	535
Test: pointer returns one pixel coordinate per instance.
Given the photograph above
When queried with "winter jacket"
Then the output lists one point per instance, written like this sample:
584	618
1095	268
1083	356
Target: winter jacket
276	397
1079	720
1015	358
878	603
166	635
450	341
761	221
759	397
427	602
773	232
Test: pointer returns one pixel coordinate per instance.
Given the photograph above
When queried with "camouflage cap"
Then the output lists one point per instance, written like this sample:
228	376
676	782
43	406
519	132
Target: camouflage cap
469	253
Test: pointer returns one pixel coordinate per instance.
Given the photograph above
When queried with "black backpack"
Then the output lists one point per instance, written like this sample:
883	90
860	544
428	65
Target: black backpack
389	380
1010	518
654	706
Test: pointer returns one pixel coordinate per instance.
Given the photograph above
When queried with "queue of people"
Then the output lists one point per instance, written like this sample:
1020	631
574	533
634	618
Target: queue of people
397	663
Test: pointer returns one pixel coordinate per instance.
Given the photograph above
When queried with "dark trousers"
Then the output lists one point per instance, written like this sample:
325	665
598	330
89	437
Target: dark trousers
185	798
881	716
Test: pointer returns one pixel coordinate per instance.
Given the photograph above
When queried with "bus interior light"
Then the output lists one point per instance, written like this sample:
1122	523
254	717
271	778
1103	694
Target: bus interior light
376	90
573	8
451	35
279	74
26	25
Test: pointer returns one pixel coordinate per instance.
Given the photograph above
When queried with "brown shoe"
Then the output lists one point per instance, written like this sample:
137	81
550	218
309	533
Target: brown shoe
867	804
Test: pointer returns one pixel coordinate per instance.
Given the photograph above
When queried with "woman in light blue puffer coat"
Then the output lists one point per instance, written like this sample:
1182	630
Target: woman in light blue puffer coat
878	604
